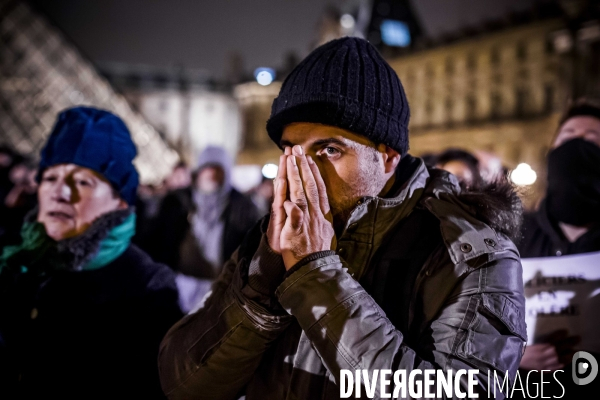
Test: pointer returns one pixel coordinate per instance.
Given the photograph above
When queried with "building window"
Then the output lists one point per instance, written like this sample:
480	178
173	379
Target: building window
549	46
429	73
495	56
449	66
470	108
548	98
471	62
523	74
495	105
428	112
521	51
449	104
521	96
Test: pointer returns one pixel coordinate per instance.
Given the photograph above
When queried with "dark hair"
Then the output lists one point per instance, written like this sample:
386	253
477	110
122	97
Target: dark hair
180	164
430	159
465	157
458	155
581	108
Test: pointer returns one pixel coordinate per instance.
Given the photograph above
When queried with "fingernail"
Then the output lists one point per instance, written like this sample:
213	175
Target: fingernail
299	149
310	160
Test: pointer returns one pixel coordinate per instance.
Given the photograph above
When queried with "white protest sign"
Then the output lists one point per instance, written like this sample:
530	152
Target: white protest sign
563	293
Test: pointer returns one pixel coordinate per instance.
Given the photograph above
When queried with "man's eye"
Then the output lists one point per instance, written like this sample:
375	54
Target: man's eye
83	183
331	151
49	178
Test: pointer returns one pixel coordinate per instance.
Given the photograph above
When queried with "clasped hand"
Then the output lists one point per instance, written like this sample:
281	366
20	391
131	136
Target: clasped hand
300	224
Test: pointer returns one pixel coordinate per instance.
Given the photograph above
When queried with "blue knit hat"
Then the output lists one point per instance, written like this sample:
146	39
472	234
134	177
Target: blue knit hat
94	139
345	83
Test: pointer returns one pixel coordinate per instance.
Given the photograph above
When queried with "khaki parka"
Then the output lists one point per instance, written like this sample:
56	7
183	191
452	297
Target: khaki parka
464	306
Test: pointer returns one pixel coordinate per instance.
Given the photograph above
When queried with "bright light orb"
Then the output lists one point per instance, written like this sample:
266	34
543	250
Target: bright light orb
523	175
269	171
264	76
347	21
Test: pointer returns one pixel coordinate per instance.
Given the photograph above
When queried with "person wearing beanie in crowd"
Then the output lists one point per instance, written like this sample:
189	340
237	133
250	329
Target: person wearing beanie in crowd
199	227
368	261
82	310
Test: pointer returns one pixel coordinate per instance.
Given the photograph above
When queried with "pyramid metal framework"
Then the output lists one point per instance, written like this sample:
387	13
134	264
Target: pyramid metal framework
42	73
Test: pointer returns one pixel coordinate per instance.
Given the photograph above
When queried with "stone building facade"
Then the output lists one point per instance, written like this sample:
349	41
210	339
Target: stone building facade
500	92
184	105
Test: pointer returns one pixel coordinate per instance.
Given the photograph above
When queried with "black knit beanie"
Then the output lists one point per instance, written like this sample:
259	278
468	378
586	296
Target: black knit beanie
345	83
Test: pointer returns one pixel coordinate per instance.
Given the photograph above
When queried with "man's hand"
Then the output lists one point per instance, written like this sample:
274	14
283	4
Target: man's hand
308	228
554	354
278	216
541	356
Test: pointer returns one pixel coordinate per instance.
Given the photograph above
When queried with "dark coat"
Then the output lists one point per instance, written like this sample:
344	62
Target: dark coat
173	224
422	280
542	237
86	334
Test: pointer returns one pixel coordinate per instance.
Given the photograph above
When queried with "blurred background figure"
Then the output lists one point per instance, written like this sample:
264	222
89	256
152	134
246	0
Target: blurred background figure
491	167
151	196
82	310
199	227
179	178
567	222
8	158
463	165
21	199
568	219
262	195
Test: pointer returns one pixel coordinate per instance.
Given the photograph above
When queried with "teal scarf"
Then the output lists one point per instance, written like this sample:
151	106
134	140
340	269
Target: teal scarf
39	253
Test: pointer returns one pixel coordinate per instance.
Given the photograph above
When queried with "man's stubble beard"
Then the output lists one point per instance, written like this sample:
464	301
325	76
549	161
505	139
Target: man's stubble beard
368	182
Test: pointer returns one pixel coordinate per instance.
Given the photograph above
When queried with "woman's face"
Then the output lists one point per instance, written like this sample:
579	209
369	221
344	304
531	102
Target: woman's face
71	197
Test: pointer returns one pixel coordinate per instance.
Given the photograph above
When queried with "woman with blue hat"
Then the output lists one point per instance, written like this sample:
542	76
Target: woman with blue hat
82	310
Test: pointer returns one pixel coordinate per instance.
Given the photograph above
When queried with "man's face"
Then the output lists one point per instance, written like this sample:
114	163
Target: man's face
583	127
179	178
210	179
351	165
71	197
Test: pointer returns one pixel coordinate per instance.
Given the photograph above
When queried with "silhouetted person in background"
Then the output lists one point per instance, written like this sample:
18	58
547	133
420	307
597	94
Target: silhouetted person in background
8	159
462	164
568	219
262	195
567	222
21	199
199	227
82	310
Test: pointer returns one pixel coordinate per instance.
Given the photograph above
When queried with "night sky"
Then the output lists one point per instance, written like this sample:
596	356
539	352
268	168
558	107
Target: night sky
202	33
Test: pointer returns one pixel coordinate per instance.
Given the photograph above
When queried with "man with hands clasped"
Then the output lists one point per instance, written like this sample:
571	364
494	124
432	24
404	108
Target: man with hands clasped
368	261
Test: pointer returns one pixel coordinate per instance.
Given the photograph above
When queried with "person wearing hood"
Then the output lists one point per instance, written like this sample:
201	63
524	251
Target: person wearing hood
369	260
199	227
568	219
567	222
82	310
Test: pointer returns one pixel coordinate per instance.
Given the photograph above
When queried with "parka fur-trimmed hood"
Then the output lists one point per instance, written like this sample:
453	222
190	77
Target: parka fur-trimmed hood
497	204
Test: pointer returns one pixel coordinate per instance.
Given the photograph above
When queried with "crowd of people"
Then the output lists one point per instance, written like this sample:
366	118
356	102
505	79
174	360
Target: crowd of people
356	256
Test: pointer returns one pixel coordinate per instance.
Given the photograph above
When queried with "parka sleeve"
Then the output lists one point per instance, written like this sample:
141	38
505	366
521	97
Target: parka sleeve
213	353
479	326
